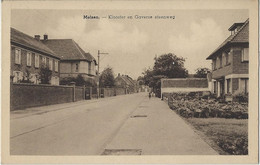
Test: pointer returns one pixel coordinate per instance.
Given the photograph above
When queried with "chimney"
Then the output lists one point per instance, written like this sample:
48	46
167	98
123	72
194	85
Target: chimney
45	37
37	37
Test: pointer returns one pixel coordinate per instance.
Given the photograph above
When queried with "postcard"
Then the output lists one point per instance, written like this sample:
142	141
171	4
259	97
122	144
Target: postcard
130	82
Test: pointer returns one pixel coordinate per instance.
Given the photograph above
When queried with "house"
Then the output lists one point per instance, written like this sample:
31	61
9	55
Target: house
74	60
124	81
230	62
28	56
171	85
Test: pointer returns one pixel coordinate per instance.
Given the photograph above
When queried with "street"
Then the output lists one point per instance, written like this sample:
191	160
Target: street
124	125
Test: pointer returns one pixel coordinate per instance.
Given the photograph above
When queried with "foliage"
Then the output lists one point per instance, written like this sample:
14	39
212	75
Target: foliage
140	80
240	96
79	81
107	78
45	75
26	78
170	65
201	73
165	66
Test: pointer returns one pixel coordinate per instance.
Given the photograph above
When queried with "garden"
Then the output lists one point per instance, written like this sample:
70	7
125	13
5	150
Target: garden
223	125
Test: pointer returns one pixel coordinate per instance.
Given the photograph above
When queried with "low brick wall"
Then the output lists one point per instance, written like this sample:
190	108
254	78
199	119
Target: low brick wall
31	95
79	93
109	92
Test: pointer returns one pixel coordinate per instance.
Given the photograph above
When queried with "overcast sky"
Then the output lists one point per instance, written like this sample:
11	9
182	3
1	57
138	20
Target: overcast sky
132	44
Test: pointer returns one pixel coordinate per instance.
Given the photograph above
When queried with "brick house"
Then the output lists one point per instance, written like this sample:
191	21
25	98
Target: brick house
126	82
230	62
74	60
28	55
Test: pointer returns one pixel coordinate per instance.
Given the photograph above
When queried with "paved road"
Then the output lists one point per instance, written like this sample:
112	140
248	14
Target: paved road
128	124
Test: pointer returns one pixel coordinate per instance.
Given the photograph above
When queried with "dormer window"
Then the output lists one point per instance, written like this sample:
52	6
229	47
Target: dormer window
235	27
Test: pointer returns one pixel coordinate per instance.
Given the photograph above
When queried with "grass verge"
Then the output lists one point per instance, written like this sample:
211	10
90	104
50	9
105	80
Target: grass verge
226	136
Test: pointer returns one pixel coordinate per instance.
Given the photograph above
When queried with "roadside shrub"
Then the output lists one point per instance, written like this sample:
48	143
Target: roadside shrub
238	146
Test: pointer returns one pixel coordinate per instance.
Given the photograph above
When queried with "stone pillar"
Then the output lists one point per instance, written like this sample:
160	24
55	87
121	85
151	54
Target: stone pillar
218	92
90	93
73	91
84	92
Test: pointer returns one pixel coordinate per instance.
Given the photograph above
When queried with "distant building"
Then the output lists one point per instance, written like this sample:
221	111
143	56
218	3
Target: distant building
170	85
124	81
28	55
74	60
230	62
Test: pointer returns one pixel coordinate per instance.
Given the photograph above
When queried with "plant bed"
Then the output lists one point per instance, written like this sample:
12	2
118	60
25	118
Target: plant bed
230	135
195	105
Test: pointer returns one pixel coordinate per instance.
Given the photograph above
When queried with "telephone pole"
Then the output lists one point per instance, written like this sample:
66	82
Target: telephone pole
98	89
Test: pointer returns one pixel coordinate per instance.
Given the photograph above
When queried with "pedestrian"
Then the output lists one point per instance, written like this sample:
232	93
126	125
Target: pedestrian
149	95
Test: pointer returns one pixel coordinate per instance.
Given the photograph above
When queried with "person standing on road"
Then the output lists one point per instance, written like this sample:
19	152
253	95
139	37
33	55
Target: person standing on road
149	95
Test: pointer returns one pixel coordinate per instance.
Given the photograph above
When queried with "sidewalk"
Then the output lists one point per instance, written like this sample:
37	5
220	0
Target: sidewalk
55	107
162	132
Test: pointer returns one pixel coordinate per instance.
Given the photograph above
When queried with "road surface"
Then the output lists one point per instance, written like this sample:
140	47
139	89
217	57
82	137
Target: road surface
123	125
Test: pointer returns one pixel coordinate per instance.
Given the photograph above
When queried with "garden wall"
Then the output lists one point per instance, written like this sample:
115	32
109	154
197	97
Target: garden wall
31	95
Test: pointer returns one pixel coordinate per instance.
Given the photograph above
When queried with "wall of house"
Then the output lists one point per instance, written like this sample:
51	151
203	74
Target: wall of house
226	69
65	67
83	67
239	67
32	69
31	95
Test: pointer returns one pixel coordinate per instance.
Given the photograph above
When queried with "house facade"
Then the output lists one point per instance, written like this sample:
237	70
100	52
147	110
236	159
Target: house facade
28	56
126	82
230	62
74	60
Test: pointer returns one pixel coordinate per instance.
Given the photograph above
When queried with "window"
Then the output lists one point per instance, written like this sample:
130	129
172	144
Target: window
56	65
89	68
244	85
29	59
227	58
43	60
245	54
36	60
223	58
215	87
228	86
17	56
220	62
214	64
77	68
217	63
50	64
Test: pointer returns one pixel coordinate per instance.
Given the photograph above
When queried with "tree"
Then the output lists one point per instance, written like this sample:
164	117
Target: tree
165	66
45	75
107	78
170	66
201	72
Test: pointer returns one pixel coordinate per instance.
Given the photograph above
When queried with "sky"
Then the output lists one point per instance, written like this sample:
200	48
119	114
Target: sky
132	44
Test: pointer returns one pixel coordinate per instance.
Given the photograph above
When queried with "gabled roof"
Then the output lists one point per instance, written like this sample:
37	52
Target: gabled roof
90	58
25	40
241	36
128	80
185	83
66	49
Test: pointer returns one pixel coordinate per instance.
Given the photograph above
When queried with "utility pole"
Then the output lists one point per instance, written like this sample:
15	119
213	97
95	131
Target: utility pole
98	89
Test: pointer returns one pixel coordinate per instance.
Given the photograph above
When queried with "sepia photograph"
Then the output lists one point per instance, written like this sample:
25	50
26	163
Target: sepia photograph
104	81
